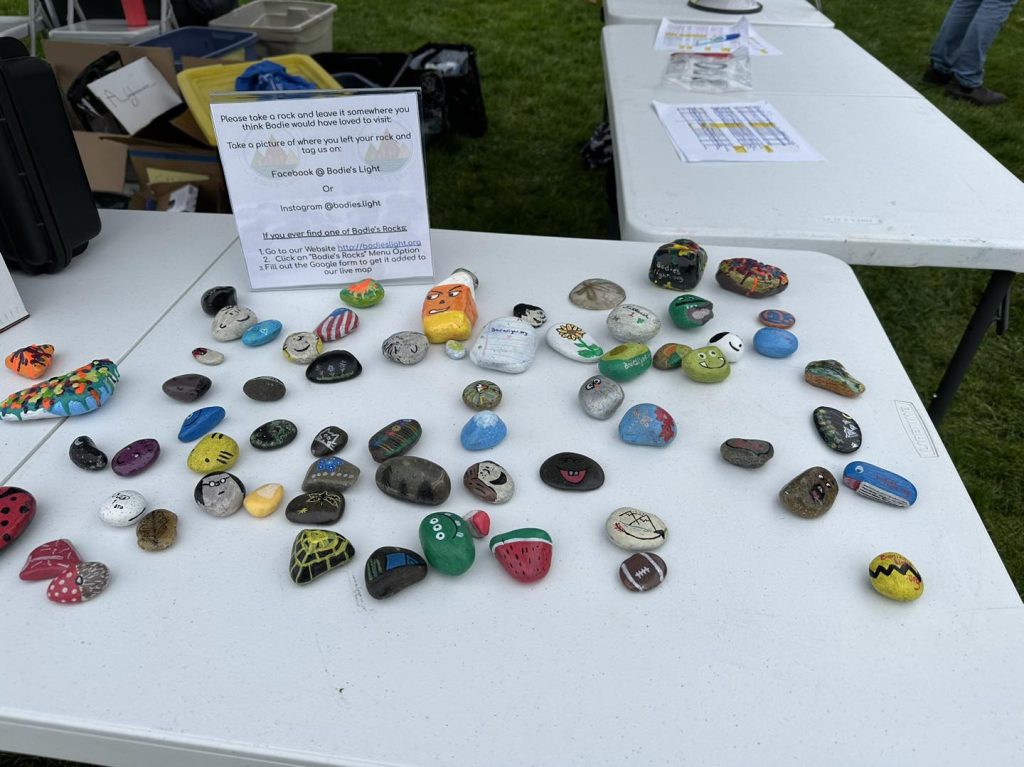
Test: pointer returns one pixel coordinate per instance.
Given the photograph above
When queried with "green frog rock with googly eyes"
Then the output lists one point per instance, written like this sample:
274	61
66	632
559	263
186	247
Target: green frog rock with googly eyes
706	364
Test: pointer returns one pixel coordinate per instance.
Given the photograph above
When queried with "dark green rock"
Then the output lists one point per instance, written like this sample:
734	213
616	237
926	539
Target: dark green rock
324	507
414	479
839	431
264	389
273	434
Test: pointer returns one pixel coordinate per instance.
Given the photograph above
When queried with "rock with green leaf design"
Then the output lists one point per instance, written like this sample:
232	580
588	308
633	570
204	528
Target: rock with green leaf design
573	342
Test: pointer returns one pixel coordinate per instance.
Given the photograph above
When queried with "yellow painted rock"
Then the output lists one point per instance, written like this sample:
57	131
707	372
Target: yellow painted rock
894	576
264	500
214	452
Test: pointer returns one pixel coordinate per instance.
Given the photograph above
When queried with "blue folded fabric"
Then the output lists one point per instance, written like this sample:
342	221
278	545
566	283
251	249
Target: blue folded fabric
270	76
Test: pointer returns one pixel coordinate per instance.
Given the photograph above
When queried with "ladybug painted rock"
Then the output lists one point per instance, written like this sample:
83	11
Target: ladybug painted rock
78	583
17	508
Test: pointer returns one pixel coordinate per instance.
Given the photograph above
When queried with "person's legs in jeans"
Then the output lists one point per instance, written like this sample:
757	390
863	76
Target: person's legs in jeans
951	34
968	65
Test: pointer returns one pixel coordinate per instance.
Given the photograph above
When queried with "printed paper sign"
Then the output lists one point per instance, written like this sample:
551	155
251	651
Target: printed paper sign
135	94
327	190
702	38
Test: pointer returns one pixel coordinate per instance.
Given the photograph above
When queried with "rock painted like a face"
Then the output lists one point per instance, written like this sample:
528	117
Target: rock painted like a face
443	299
730	344
811	493
233	315
706	364
220	490
303	346
489	482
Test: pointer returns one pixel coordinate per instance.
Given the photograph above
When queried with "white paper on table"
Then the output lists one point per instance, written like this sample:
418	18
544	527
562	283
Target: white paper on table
690	38
739	132
135	94
12	308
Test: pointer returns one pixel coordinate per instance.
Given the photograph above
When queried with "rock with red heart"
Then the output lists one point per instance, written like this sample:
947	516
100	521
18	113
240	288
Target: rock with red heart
78	583
524	553
17	508
643	571
48	560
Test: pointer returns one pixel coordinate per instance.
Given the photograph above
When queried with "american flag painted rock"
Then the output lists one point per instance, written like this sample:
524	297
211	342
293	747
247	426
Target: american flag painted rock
337	324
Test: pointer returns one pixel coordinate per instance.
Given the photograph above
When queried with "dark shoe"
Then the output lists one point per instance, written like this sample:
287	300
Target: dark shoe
935	77
981	95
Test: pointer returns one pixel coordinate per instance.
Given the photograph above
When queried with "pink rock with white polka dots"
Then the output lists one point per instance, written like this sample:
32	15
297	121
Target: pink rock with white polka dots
79	583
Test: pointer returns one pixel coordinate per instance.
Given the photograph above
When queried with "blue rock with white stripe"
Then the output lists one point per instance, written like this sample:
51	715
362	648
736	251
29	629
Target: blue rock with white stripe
879	484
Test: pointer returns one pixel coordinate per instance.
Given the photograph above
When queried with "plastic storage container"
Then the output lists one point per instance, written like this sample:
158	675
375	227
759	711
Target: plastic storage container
285	26
13	26
205	43
376	70
109	31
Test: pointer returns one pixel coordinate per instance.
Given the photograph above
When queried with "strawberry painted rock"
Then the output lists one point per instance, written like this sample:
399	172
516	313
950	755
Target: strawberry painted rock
524	553
17	508
78	583
479	522
48	560
32	361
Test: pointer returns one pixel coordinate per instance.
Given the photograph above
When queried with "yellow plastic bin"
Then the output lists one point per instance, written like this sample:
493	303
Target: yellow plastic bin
285	26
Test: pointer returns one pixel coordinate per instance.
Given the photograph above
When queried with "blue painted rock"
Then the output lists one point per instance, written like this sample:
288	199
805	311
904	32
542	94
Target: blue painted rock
328	441
187	388
630	323
670	356
391	569
220	297
219	494
730	344
337	325
831	375
454	350
750	277
205	356
17	509
406	347
483	431
810	493
135	457
478	521
678	265
489	482
264	389
571	471
273	434
525	554
157	530
894	576
508	344
199	422
635	530
47	559
690	311
79	582
85	455
231	322
447	544
123	508
573	342
879	484
839	431
647	424
747	453
324	507
597	294
315	552
414	479
625	362
531	314
600	397
261	333
706	364
775	342
333	367
643	571
214	452
302	347
776	318
482	395
330	473
76	393
395	439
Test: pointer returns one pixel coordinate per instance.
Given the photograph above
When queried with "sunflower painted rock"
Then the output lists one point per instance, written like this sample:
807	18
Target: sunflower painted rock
314	552
80	391
31	361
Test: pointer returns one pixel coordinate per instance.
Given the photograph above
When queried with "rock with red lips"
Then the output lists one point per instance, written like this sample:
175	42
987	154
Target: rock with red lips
571	471
810	493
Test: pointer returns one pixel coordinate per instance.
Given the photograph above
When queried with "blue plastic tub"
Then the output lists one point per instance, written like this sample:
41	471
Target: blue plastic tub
206	43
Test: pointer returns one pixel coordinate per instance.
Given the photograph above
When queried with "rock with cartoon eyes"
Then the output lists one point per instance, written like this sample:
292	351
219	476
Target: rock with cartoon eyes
706	364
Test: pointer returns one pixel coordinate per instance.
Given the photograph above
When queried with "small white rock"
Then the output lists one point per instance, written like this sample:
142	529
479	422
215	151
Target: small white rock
123	508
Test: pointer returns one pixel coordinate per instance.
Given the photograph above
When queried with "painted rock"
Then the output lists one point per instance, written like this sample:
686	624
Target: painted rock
730	344
630	323
643	571
157	530
647	424
678	265
670	356
413	479
478	521
264	500
483	431
810	493
839	431
273	434
78	583
879	484
489	482
135	457
600	397
525	554
455	350
776	318
397	438
635	530
199	422
531	314
706	364
447	544
323	507
85	455
362	295
406	348
214	452
261	333
337	325
205	356
187	388
831	375
219	494
330	473
316	552
264	388
328	441
690	311
894	576
48	560
17	508
571	471
231	322
749	277
333	366
30	361
482	395
449	308
220	297
747	453
123	508
625	362
775	342
573	342
302	347
390	569
76	393
507	344
597	294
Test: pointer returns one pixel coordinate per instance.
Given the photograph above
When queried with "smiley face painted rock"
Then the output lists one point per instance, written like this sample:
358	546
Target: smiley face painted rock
447	543
231	322
302	347
534	315
406	347
571	471
730	344
894	576
17	509
600	397
78	583
810	493
706	364
489	482
635	530
214	452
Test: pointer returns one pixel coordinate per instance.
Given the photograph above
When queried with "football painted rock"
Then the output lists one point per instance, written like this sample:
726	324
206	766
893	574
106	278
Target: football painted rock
524	553
643	571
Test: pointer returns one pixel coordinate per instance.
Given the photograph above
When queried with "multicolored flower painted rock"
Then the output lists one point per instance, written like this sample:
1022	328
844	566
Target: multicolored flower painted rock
324	507
262	333
413	479
571	471
508	344
75	393
730	344
205	356
879	484
331	473
775	342
838	430
525	554
478	521
670	356
231	322
597	294
750	277
264	389
49	560
30	361
219	494
214	452
336	325
123	509
454	350
273	434
625	362
483	431
531	314
600	397
810	493
690	311
678	265
894	576
407	347
78	583
630	323
395	439
85	455
264	500
328	441
333	367
302	347
643	571
199	422
482	395
449	308
635	530
647	424
706	364
391	569
573	342
831	375
215	299
362	295
17	509
776	318
489	482
315	552
747	453
447	544
157	530
186	388
135	457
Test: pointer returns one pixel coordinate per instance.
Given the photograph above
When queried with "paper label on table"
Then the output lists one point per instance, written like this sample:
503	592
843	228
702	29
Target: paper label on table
327	190
704	38
12	309
748	132
136	94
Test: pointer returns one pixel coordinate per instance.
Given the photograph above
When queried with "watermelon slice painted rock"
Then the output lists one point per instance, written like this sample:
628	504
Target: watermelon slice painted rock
49	560
524	553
